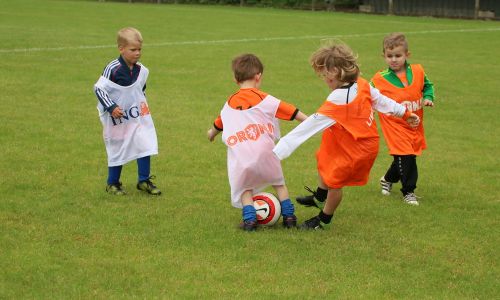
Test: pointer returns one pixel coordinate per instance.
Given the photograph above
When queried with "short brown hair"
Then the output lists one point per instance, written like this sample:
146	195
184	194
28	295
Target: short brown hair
394	40
338	57
127	35
246	66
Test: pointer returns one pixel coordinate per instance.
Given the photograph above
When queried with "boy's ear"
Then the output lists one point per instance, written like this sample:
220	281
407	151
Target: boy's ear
408	53
257	77
335	71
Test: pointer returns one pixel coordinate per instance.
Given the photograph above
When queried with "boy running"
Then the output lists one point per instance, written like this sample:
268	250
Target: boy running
407	84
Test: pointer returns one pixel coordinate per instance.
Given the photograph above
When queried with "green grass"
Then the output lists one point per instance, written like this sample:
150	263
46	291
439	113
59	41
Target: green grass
62	236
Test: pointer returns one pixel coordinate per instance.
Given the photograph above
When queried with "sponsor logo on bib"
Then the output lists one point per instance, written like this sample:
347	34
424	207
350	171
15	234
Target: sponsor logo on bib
412	105
132	113
252	132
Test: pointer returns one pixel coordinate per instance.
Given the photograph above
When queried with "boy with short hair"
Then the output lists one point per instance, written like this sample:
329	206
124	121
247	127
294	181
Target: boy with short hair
407	84
350	139
249	121
128	129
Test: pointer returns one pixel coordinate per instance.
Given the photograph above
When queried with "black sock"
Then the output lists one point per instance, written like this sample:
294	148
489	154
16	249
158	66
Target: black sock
321	194
324	218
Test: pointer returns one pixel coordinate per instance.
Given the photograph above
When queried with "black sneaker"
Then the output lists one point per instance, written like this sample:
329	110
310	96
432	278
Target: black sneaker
290	221
249	225
311	200
312	224
148	186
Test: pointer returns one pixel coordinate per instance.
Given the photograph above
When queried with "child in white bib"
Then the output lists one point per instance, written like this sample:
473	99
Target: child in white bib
128	129
249	121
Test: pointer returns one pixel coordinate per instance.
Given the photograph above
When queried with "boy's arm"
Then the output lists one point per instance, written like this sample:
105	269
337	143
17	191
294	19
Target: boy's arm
300	116
216	129
104	99
290	142
289	112
428	92
212	133
218	124
108	104
387	105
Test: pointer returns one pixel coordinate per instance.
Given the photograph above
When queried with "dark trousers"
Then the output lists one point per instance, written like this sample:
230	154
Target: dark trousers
404	168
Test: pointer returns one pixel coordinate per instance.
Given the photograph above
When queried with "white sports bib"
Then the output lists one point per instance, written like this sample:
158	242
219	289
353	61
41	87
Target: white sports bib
133	136
249	136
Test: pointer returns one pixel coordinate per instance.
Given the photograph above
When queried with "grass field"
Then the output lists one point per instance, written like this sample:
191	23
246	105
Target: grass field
62	236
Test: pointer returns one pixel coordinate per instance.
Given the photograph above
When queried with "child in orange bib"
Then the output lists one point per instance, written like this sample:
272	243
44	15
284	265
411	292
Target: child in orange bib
407	84
350	139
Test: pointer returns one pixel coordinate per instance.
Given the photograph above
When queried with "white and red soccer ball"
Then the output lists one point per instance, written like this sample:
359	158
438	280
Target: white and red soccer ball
268	208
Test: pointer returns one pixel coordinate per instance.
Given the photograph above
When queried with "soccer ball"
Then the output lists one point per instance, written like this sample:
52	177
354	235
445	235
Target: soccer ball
268	208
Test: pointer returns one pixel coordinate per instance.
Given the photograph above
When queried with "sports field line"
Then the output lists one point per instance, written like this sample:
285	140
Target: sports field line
263	39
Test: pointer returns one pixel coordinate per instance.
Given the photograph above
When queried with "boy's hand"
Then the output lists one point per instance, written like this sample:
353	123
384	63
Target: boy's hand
428	102
413	120
212	133
117	112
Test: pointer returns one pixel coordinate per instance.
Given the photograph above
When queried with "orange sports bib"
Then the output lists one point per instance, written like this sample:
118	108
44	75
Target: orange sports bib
348	148
400	138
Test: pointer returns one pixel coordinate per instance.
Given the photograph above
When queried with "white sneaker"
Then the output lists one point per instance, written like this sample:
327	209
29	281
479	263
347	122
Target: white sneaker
386	186
411	199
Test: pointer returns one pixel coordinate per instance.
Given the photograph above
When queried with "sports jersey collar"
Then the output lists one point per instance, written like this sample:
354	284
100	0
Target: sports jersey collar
347	86
124	65
393	78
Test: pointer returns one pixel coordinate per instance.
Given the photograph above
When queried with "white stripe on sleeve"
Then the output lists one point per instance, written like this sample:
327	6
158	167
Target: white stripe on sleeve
103	97
385	104
305	130
109	68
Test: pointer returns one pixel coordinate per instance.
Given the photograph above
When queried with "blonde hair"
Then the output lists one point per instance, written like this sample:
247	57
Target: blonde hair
336	58
394	40
246	66
128	35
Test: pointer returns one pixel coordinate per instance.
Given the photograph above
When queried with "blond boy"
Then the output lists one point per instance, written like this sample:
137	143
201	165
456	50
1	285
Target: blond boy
128	129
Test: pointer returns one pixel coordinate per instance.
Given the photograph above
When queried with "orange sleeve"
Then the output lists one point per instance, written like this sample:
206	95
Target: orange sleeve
286	111
218	123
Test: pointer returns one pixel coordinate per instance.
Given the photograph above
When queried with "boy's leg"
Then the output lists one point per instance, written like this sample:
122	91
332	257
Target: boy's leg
144	177
114	185
143	168
114	174
409	176
320	195
332	201
287	208
326	214
249	214
391	176
409	173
